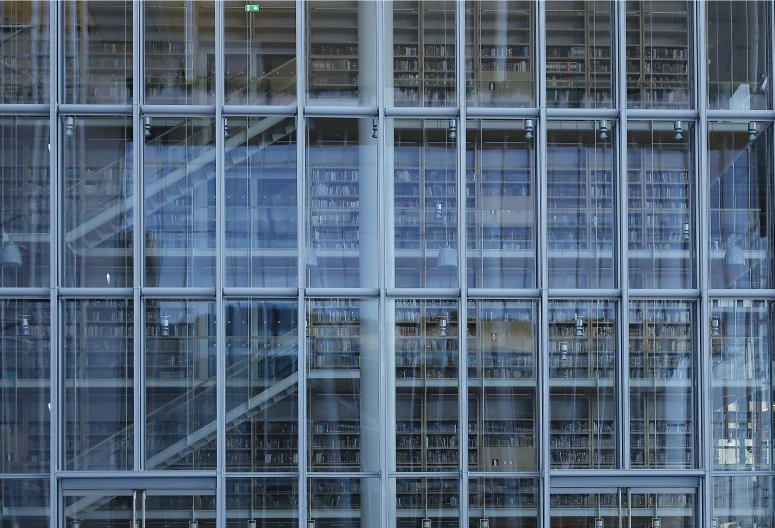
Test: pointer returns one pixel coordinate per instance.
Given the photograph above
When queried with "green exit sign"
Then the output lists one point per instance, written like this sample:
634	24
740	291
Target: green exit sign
252	8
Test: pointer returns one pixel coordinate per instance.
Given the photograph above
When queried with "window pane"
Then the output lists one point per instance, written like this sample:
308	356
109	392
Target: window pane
742	501
500	59
500	204
427	428
342	203
343	413
423	71
179	48
99	208
261	202
26	51
179	193
425	203
98	49
502	428
415	497
662	421
741	204
741	383
582	400
505	502
578	54
25	360
99	393
337	502
270	502
738	48
260	63
26	502
180	395
25	202
660	198
659	51
580	212
262	346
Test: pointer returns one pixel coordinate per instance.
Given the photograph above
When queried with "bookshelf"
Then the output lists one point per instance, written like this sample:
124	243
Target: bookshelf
582	340
426	340
428	434
332	50
501	341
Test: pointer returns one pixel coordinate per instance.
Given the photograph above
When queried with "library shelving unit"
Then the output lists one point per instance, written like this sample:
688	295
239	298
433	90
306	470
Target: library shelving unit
581	347
438	494
743	501
658	54
428	435
504	497
334	334
332	50
334	204
108	72
262	445
426	340
658	210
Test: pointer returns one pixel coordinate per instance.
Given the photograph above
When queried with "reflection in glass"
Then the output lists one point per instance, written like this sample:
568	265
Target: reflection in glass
98	208
178	38
99	394
421	500
270	502
24	201
741	383
580	192
501	386
25	374
260	62
738	53
179	193
500	204
622	507
262	346
342	51
742	501
425	203
504	502
426	371
578	54
582	366
98	47
97	509
260	202
662	421
26	50
26	502
660	220
180	395
343	410
336	502
342	203
423	70
499	63
659	50
741	204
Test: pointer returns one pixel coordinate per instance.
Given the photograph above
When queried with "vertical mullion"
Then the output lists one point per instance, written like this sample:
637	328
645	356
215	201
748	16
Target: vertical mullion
138	249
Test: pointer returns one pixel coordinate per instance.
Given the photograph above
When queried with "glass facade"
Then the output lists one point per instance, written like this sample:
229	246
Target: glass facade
398	264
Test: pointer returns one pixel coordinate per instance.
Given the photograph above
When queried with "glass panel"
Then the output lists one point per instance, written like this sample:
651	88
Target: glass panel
342	203
344	502
426	408
25	377
741	204
738	49
671	510
261	215
659	51
425	203
260	65
502	428
500	204
582	404
97	510
99	394
580	217
25	502
504	502
179	193
26	51
742	501
435	501
98	205
98	51
500	59
660	198
342	416
741	383
25	181
179	48
423	70
180	363
578	54
662	396
262	346
585	509
270	502
342	61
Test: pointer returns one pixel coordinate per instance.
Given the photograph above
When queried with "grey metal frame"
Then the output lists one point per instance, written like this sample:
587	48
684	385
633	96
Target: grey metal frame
700	293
